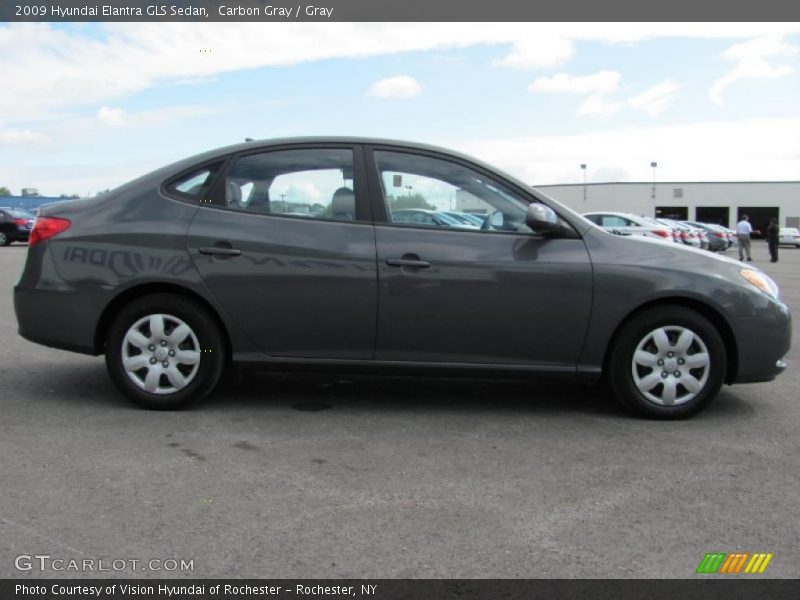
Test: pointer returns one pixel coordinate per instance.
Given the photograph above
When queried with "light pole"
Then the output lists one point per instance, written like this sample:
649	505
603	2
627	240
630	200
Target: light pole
409	188
583	168
654	164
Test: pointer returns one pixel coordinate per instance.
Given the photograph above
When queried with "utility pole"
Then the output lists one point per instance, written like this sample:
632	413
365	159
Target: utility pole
654	164
583	168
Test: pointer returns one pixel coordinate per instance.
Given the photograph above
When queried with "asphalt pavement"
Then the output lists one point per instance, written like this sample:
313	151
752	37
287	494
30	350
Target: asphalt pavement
333	476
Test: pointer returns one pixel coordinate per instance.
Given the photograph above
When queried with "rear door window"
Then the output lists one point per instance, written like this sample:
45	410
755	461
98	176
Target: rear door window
312	183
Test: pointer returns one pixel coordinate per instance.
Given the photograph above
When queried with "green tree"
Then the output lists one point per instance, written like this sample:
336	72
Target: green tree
4	191
415	200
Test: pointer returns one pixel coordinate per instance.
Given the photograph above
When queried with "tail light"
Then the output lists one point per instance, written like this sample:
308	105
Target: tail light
719	235
683	235
21	222
661	233
46	227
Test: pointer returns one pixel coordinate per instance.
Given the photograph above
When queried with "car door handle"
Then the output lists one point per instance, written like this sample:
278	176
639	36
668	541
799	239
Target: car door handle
220	251
408	262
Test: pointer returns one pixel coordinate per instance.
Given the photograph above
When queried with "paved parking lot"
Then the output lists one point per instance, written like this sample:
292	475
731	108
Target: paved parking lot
279	476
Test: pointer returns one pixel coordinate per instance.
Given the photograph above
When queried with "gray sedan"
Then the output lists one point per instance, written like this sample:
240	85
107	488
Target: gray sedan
285	254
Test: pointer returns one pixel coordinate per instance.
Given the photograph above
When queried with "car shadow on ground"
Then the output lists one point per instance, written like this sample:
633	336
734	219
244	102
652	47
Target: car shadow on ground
313	392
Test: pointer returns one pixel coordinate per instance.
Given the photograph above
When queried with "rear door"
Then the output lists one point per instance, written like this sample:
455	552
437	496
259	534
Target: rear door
287	246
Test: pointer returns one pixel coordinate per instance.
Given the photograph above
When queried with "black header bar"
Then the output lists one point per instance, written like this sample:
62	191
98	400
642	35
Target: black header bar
703	587
399	11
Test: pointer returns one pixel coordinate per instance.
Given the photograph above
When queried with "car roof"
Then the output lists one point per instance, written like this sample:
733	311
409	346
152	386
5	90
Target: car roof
330	139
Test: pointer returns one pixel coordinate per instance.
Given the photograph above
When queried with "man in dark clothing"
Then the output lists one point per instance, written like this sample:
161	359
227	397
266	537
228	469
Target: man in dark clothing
773	233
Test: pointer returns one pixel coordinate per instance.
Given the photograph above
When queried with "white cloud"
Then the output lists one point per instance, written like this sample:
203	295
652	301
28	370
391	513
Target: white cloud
754	60
538	51
600	82
598	105
401	86
654	100
726	150
22	137
114	117
597	87
58	69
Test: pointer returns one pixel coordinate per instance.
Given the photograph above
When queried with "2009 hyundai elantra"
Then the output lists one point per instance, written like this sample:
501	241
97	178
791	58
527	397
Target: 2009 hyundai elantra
287	252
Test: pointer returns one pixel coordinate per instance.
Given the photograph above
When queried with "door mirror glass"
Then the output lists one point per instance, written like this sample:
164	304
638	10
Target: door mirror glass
541	218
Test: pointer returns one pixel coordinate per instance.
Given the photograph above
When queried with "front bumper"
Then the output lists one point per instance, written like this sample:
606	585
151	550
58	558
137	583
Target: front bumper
762	344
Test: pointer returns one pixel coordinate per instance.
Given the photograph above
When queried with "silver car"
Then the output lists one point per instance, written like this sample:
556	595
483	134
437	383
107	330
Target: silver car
630	224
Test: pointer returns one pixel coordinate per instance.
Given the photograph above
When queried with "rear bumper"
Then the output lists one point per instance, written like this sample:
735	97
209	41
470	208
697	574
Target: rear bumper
53	312
63	319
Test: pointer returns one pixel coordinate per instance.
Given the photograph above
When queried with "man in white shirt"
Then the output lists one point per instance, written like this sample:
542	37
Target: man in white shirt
743	231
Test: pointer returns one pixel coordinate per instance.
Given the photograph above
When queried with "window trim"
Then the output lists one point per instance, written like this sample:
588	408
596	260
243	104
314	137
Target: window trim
203	197
381	212
363	207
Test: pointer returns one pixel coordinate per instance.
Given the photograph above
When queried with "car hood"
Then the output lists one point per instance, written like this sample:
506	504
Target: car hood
644	250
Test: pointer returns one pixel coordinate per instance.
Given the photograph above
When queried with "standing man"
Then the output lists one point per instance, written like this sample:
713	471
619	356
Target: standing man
743	231
773	234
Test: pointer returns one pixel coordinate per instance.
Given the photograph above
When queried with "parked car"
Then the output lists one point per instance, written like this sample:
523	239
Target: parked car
432	218
466	219
629	224
717	239
732	237
15	225
194	267
790	236
691	236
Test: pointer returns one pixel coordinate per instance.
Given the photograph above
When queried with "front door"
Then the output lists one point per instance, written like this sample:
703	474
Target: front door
451	293
290	253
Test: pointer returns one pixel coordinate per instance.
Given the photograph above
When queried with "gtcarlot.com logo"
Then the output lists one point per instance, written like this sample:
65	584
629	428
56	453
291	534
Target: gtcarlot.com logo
45	562
734	563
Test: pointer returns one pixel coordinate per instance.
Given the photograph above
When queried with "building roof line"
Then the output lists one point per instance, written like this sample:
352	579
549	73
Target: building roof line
657	183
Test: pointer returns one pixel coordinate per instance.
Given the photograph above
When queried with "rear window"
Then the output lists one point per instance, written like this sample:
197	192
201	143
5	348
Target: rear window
20	214
193	184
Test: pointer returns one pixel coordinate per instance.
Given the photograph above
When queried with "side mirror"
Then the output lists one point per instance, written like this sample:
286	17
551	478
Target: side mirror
542	219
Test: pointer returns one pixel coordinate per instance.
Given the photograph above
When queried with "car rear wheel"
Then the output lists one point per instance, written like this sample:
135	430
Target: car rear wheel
4	239
668	362
164	352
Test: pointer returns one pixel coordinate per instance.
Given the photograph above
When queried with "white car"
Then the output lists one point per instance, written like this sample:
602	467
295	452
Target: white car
629	224
790	236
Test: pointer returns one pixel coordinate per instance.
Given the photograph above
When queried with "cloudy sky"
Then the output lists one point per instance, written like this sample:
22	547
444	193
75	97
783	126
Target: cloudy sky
84	107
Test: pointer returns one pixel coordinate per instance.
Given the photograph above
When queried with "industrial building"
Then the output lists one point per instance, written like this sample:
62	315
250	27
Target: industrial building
27	202
721	202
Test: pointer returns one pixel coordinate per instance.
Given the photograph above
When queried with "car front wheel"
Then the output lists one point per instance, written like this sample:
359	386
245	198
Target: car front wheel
164	352
668	362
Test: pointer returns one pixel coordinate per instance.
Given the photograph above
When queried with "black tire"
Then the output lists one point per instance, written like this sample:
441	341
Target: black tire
5	239
207	332
620	364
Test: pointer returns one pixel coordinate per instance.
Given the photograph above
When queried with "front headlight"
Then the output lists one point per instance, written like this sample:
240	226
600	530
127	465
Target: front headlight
758	280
